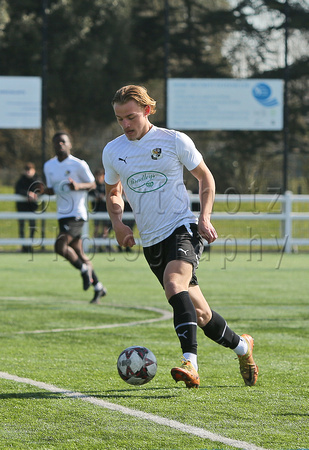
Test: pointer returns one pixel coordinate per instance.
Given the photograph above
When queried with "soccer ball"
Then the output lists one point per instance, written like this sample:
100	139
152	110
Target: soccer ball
137	365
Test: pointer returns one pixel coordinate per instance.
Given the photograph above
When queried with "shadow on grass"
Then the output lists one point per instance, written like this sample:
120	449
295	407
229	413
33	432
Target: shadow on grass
110	394
37	395
70	394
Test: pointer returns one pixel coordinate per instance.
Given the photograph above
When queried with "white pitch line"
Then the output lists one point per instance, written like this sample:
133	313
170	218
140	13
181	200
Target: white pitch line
165	315
200	432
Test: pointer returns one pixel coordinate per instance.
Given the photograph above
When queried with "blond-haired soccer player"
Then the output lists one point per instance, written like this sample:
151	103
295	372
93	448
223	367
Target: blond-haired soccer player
147	163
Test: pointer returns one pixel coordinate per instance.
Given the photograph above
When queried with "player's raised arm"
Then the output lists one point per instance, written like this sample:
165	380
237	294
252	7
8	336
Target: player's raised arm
115	208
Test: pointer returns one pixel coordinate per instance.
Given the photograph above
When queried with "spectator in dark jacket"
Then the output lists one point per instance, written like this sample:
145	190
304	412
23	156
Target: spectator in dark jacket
26	186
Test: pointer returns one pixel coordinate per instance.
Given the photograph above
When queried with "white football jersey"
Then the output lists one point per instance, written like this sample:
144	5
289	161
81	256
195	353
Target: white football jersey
151	173
57	173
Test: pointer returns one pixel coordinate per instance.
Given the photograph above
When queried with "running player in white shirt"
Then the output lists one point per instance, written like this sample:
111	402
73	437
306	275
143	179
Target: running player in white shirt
70	179
147	163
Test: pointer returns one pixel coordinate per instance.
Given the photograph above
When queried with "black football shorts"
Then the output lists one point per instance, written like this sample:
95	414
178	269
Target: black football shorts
71	226
183	244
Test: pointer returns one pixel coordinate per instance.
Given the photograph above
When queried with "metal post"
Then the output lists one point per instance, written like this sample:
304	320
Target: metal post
44	77
44	97
286	106
166	54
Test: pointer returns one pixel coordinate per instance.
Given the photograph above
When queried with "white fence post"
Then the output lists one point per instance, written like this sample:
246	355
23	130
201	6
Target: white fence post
288	224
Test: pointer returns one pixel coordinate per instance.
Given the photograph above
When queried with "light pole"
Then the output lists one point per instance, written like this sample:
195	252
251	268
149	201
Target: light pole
44	95
166	54
44	77
286	106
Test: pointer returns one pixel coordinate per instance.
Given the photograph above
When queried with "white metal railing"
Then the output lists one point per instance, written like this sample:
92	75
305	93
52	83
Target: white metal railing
283	214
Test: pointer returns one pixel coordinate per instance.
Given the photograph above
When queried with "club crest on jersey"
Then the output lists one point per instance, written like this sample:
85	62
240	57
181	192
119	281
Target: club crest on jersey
67	172
156	153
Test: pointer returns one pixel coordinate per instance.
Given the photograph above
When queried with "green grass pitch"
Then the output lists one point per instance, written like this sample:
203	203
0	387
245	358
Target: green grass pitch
51	334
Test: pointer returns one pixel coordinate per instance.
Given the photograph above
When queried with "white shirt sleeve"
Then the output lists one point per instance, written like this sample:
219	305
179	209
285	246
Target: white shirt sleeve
111	176
48	181
188	154
85	173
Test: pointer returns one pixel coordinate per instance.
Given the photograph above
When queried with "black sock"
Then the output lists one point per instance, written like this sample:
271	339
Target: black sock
185	321
95	278
217	330
77	264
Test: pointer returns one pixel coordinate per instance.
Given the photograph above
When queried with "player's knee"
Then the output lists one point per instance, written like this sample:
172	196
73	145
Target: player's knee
60	247
171	287
203	317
